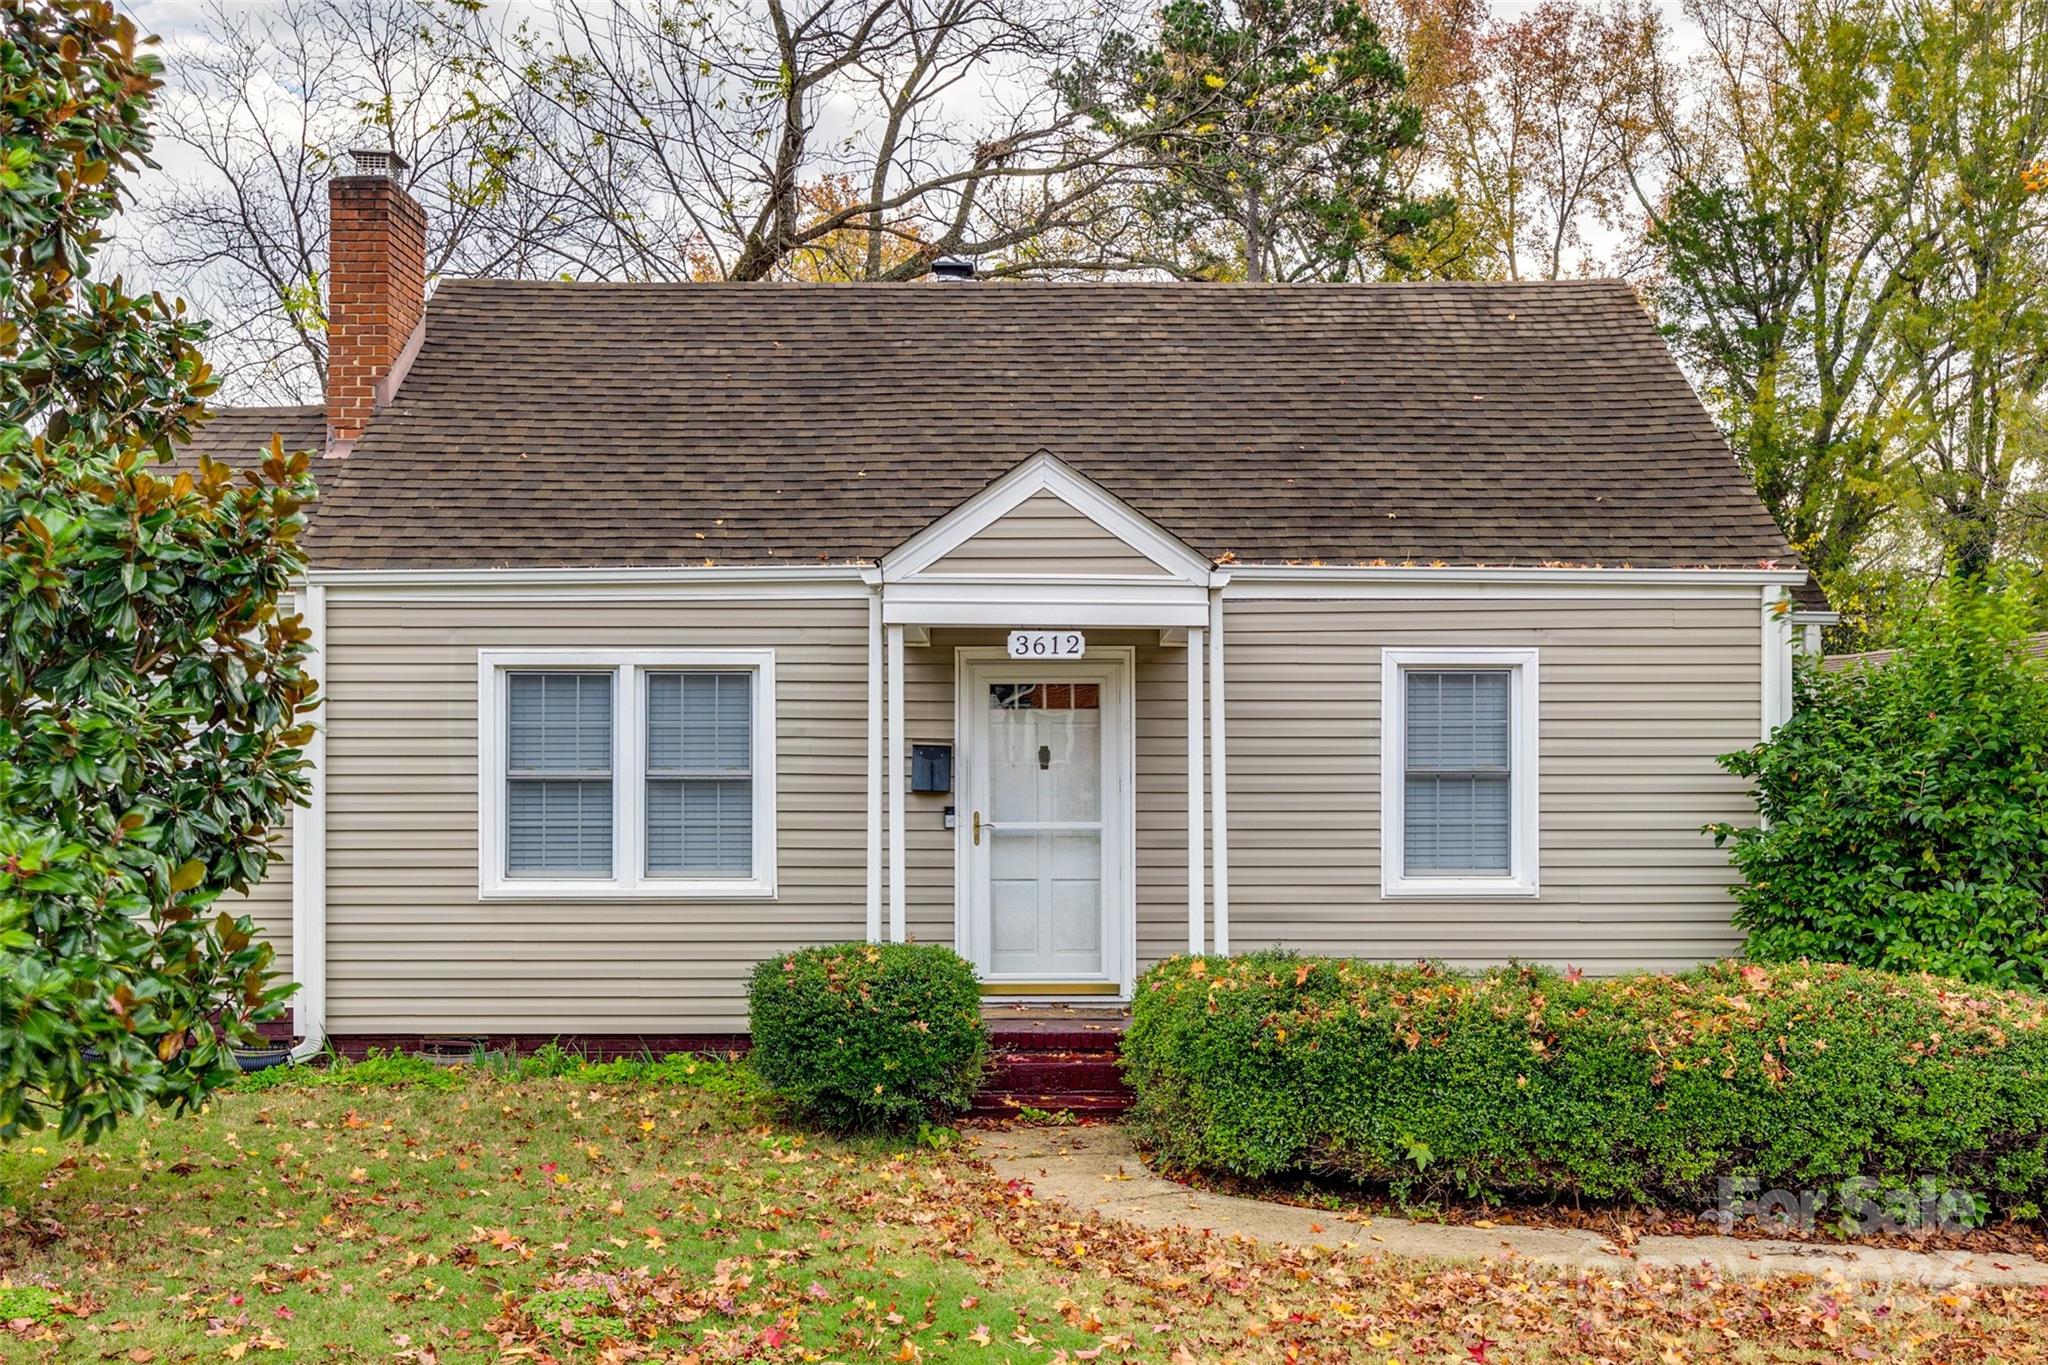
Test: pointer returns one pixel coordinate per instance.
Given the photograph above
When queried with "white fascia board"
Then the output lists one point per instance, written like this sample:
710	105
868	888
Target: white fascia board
1480	573
1328	581
1150	604
1048	616
1044	473
773	580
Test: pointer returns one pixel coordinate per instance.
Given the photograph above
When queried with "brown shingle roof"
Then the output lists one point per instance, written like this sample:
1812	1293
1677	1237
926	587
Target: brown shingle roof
2037	645
599	424
241	436
1808	596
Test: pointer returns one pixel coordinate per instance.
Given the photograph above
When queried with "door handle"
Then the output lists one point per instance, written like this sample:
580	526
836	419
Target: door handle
977	829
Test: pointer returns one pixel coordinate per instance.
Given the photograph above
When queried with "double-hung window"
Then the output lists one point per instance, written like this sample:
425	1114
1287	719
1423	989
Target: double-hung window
640	773
1458	786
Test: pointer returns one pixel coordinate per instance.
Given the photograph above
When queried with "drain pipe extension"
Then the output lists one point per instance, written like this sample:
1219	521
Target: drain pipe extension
309	849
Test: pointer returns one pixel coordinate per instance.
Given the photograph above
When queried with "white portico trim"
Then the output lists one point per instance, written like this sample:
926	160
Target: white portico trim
1158	584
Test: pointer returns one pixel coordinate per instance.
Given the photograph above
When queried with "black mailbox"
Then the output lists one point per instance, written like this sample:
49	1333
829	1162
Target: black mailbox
931	767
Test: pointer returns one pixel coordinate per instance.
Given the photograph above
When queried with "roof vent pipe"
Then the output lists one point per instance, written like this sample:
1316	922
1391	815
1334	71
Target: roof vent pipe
953	268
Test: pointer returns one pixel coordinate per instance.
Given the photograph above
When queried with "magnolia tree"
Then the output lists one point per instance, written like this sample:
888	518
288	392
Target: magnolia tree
151	693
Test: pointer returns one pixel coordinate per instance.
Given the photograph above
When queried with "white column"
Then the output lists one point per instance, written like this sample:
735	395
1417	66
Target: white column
898	778
875	752
1219	805
1194	789
309	848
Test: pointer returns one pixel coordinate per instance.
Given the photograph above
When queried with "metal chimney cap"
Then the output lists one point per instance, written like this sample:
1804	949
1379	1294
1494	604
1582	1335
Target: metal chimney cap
381	162
953	268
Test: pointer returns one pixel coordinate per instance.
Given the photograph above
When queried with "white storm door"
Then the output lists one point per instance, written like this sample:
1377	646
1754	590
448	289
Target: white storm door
1045	846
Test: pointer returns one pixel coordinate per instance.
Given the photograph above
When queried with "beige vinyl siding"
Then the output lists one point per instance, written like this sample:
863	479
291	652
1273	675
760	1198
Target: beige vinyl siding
269	902
1162	801
1636	697
1046	535
412	948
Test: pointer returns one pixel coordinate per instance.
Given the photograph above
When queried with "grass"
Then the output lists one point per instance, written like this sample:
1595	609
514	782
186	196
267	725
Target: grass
662	1212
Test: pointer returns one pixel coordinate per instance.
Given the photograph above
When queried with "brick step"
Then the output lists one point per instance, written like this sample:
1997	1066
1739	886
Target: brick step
1052	1073
1000	1104
1056	1070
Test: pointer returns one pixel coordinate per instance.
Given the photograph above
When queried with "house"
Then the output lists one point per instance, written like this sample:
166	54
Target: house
662	628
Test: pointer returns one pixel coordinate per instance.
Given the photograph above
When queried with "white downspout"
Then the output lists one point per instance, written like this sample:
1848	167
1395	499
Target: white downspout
309	849
1219	804
1777	647
1195	790
897	755
875	752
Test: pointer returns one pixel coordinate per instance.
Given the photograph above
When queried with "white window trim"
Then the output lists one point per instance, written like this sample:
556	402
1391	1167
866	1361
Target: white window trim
1523	860
629	791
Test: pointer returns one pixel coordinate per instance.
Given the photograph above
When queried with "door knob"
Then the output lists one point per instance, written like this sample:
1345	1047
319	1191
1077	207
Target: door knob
977	829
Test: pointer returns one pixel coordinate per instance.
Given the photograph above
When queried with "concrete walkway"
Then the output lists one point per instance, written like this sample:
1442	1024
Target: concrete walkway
1097	1170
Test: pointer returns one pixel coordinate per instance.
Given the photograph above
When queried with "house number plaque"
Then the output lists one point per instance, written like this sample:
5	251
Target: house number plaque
1047	644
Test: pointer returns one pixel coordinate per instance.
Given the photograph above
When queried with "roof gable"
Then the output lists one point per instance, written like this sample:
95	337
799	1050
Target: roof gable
1043	519
1044	534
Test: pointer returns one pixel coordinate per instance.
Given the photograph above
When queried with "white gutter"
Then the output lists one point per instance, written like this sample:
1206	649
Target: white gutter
850	573
1404	573
573	577
309	849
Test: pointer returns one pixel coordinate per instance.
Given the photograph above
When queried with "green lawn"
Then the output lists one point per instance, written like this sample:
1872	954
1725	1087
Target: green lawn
582	1218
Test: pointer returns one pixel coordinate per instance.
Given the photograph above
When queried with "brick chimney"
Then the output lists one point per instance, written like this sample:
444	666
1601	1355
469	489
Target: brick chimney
376	288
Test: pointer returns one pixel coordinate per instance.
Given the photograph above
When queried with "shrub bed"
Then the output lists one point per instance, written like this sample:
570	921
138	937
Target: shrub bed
868	1035
1523	1082
1904	807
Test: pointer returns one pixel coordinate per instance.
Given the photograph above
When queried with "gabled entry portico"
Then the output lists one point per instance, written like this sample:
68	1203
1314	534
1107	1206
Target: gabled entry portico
1059	765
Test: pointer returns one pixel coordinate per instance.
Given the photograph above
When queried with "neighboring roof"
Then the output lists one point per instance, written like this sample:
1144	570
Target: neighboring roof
2036	645
598	424
241	436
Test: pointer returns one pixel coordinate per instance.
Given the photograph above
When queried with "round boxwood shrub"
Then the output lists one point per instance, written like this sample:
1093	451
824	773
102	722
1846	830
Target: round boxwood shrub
1527	1083
868	1035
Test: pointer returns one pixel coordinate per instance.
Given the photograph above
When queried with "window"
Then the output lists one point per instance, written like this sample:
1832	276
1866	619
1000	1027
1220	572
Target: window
1458	787
558	774
700	786
610	773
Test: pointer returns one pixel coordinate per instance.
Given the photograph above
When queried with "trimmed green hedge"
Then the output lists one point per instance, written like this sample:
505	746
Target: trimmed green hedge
1524	1082
868	1035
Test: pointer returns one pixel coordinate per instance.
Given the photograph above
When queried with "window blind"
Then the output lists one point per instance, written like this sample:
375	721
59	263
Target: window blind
1458	800
558	770
700	785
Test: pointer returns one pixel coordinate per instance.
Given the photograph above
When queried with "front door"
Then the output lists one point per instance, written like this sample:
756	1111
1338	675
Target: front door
1048	791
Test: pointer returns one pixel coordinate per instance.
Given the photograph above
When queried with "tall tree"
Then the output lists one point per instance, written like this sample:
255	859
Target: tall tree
1973	332
1270	133
1533	130
262	105
1776	181
1437	42
150	690
692	135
